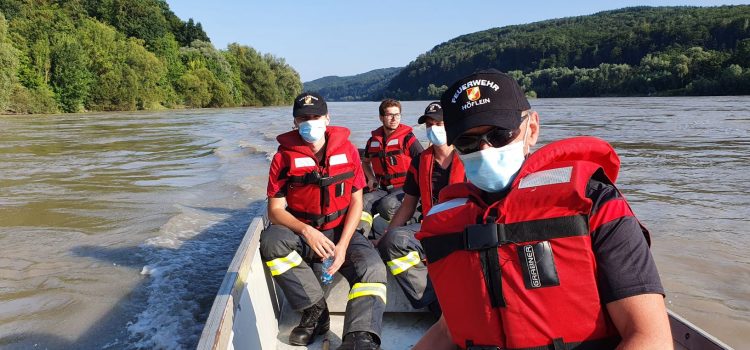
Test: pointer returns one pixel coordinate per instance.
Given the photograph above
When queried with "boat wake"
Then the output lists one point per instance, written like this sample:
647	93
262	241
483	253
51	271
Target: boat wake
185	265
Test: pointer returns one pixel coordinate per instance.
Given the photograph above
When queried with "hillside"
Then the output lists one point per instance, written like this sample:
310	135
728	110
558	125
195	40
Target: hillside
632	51
107	55
360	87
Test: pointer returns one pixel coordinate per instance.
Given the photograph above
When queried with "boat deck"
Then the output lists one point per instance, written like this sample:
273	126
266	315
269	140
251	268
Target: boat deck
401	330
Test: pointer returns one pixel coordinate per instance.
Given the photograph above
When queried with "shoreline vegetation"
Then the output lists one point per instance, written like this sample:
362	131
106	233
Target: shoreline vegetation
124	55
636	51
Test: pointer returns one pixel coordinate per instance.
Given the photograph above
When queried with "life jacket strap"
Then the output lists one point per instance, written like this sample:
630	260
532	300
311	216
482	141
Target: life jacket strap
382	154
317	220
559	344
483	236
393	176
314	178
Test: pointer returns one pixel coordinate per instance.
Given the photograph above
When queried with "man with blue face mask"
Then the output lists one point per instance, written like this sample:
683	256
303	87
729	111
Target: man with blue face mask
539	251
314	204
436	167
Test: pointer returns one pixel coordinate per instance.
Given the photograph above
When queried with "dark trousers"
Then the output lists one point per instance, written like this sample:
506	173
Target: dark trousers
289	258
403	255
380	202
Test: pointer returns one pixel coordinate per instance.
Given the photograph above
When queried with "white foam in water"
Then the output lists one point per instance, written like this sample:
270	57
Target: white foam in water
186	265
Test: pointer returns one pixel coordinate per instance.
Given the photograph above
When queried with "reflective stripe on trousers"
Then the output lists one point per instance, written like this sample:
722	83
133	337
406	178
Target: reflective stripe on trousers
283	264
364	289
403	263
366	217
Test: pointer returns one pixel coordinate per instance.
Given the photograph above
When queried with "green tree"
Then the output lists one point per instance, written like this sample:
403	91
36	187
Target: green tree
288	83
71	80
8	65
127	76
258	79
167	50
222	87
142	19
435	92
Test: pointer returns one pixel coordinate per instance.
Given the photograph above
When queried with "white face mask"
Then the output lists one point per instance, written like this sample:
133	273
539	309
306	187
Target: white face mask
312	130
436	135
494	169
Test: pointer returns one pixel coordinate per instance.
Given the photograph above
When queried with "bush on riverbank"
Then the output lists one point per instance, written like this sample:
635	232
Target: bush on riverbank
112	55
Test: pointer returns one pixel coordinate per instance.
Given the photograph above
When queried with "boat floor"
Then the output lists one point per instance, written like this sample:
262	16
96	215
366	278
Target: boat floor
401	330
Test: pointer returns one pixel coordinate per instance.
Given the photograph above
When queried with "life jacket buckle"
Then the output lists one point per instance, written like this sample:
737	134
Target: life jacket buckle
481	236
312	178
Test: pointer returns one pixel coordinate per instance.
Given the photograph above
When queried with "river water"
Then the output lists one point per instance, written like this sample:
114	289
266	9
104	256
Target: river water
116	228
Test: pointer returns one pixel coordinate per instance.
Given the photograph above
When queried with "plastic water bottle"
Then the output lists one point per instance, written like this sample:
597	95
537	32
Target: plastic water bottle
325	277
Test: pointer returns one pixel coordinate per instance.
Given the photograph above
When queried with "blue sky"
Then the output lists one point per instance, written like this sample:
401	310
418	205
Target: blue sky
321	38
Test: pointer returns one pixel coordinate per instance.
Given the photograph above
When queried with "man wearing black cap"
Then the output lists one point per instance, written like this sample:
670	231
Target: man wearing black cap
539	251
314	204
435	168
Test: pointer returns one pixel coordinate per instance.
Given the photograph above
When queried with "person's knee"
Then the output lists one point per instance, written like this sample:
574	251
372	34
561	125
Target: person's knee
388	207
375	273
394	243
371	200
276	241
372	270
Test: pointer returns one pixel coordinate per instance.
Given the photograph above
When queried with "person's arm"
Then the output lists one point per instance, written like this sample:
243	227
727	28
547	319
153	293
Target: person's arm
372	181
411	197
350	224
278	215
642	322
436	338
628	281
415	148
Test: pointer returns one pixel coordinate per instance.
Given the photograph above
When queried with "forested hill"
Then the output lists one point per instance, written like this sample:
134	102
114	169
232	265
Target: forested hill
365	86
632	51
104	55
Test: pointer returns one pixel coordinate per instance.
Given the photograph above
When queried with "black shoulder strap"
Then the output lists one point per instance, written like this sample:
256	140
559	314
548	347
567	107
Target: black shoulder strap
407	138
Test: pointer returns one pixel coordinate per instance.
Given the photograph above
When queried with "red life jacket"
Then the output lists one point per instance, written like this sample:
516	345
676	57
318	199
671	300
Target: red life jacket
390	158
527	278
319	195
426	163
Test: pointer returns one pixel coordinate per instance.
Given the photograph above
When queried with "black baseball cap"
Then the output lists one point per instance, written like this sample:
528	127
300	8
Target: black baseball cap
486	97
309	103
433	111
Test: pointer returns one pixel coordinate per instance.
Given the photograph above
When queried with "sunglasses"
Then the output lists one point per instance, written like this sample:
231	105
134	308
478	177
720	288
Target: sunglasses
495	137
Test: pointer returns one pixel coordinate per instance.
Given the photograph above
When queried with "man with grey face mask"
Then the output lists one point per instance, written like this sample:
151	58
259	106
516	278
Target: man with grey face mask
540	250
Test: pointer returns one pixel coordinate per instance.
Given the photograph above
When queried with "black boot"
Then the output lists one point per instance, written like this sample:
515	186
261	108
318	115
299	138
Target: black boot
360	341
315	320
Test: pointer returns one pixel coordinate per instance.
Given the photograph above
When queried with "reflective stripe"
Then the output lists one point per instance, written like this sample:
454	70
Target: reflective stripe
375	144
392	142
281	265
456	202
547	177
338	159
303	162
366	217
364	289
403	263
